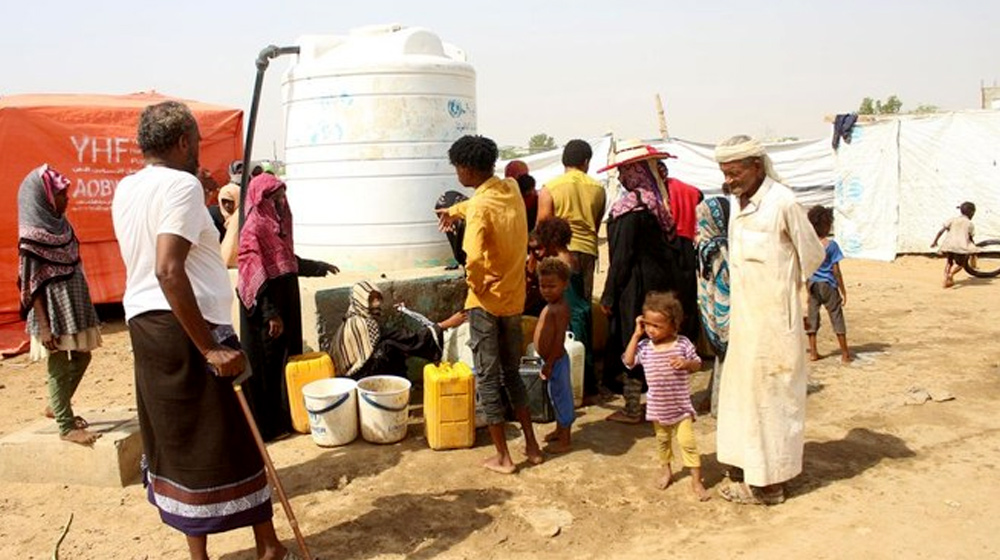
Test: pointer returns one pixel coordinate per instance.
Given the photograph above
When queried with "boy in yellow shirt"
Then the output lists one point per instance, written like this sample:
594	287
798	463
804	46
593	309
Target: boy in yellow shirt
496	247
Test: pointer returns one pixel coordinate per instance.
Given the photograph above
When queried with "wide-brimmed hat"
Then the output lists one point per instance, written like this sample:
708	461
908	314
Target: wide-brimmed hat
631	151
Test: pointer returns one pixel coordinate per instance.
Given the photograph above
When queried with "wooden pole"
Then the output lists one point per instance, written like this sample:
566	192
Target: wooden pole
271	472
661	118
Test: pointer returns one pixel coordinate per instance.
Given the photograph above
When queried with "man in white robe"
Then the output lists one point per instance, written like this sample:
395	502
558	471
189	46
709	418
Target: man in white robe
772	250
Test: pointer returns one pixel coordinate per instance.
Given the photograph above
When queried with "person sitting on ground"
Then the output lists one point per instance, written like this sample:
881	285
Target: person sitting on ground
550	336
55	298
363	347
959	242
669	359
826	286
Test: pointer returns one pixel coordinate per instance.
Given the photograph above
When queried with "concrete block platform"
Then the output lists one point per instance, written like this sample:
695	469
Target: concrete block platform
36	454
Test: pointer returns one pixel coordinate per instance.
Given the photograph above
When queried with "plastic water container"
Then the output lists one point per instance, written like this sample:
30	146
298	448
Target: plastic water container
384	406
449	405
537	389
528	324
332	405
577	360
456	349
369	119
299	372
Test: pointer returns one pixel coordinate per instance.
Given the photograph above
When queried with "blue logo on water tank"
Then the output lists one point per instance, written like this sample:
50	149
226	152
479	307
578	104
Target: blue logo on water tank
456	108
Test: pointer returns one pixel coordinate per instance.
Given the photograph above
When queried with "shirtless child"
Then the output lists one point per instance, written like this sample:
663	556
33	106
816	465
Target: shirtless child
550	334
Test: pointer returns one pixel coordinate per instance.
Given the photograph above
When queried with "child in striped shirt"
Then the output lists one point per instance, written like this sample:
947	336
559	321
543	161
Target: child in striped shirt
668	360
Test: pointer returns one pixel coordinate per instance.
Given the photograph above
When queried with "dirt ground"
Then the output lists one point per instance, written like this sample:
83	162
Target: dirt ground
882	479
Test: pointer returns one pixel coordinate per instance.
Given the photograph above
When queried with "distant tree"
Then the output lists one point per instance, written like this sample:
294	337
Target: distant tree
925	109
867	106
870	106
541	143
891	106
510	152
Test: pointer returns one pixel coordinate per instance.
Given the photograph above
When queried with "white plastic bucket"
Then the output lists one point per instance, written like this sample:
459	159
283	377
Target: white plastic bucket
332	405
384	406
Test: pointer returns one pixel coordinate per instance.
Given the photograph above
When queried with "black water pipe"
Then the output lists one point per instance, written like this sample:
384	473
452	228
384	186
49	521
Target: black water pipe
263	60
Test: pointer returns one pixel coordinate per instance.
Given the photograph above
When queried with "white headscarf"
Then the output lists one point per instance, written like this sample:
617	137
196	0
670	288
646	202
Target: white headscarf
743	147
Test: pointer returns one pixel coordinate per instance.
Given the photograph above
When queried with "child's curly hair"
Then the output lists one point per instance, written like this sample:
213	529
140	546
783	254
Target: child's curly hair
552	266
553	232
821	218
666	304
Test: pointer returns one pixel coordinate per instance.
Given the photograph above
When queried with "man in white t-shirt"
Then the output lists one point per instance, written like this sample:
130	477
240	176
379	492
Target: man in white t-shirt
204	472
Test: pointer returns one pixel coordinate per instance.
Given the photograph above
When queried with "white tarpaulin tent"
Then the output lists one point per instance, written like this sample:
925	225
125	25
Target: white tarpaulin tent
806	166
900	178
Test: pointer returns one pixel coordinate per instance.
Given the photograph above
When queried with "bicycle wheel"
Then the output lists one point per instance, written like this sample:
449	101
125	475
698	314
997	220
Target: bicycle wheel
985	263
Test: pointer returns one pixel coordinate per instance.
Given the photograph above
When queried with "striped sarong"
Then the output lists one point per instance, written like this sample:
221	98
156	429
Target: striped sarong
201	467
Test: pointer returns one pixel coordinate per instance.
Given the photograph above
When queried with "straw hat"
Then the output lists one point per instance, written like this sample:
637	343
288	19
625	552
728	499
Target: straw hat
631	151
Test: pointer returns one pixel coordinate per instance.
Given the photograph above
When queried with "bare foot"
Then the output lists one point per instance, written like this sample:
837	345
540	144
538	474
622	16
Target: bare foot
813	357
620	416
497	465
81	436
534	455
78	421
846	358
949	282
666	480
699	490
551	436
558	447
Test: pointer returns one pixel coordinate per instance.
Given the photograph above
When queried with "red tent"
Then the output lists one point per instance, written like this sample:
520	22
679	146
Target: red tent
91	140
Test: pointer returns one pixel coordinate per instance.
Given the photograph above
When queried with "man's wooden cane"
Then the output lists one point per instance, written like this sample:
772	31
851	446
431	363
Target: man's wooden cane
268	465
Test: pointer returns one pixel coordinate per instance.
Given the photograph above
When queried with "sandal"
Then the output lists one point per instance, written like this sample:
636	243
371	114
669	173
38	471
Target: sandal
739	493
744	494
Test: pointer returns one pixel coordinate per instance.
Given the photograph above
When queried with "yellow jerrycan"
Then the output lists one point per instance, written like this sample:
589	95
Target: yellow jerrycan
449	405
300	371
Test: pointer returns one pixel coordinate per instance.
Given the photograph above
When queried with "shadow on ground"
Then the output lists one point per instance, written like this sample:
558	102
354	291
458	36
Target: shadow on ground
832	461
366	459
417	526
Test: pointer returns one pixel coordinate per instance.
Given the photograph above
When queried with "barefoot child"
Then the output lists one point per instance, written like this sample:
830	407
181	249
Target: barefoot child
826	286
668	359
495	244
550	334
958	244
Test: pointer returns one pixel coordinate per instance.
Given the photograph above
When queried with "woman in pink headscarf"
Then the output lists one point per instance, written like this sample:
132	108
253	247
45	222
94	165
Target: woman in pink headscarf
644	254
271	311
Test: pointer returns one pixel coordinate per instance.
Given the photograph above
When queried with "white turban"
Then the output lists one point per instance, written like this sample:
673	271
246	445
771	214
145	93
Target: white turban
743	147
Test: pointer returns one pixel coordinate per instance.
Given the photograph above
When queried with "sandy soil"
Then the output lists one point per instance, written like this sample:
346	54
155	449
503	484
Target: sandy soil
882	479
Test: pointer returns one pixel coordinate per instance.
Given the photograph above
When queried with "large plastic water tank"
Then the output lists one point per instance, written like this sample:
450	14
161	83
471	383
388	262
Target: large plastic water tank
369	118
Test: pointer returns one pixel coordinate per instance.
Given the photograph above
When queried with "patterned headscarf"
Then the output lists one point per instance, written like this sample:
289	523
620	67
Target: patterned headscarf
713	273
355	341
47	246
267	250
645	184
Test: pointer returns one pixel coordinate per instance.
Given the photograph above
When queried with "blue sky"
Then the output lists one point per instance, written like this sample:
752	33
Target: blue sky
569	69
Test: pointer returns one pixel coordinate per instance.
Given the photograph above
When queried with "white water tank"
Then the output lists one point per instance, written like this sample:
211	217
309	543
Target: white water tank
369	118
